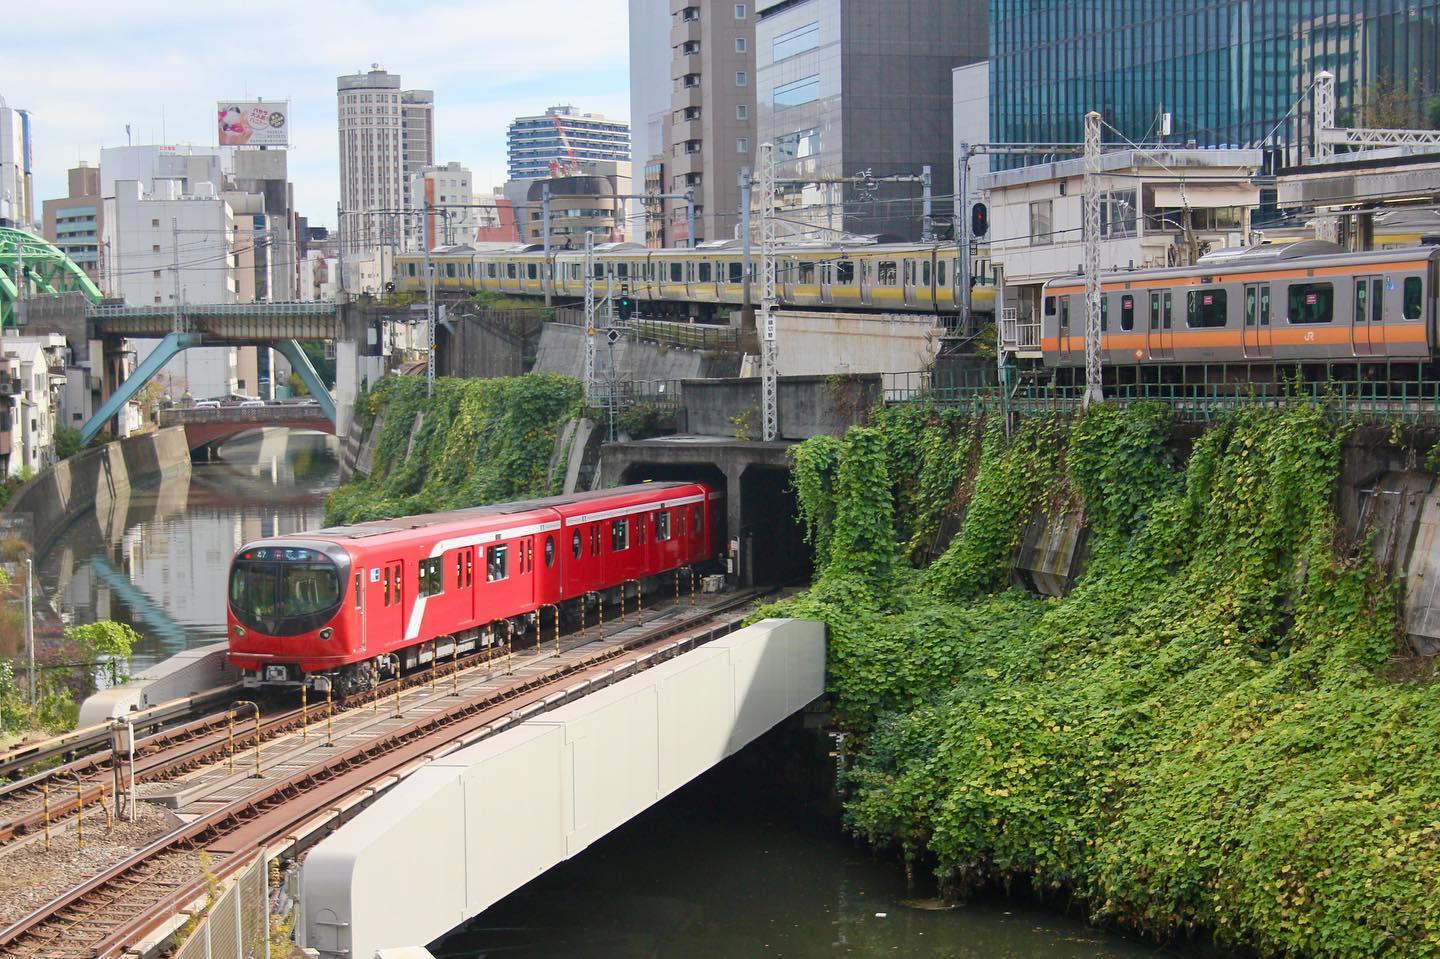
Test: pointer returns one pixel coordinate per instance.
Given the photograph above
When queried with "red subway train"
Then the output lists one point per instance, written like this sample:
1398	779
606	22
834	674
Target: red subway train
329	607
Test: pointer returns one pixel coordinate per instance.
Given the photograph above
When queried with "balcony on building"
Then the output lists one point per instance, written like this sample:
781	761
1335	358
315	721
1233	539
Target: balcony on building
685	26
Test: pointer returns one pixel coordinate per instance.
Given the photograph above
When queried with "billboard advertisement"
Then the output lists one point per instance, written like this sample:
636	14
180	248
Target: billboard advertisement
253	123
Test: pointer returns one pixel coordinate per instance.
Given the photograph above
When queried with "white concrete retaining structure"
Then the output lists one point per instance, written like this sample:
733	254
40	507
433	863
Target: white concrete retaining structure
468	829
184	674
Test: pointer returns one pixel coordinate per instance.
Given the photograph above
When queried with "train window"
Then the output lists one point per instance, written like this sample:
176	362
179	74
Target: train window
575	544
1065	315
1311	303
599	271
497	563
1127	312
925	273
509	271
640	530
1049	306
845	272
459	570
490	270
595	539
619	535
1168	314
662	526
1154	311
1265	306
431	579
359	589
940	273
1104	313
622	270
888	273
549	551
470	270
697	521
387	586
806	273
532	271
410	268
735	275
704	272
1362	300
1412	298
677	273
909	272
1205	308
450	270
529	555
689	272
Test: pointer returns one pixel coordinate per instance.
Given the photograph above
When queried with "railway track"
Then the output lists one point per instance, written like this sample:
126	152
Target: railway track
116	909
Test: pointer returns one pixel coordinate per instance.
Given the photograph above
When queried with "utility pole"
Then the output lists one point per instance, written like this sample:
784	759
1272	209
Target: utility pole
429	304
589	315
962	232
927	222
340	244
768	377
178	325
1094	392
545	226
747	310
30	625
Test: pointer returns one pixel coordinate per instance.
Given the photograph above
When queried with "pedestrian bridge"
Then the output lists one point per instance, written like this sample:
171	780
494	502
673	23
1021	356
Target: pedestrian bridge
207	425
467	829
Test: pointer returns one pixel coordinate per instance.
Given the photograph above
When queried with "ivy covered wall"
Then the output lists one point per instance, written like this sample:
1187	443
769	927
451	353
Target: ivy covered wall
1214	735
478	442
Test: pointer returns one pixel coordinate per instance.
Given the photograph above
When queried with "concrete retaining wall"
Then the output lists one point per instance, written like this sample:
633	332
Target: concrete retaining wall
808	405
811	343
93	480
562	350
465	831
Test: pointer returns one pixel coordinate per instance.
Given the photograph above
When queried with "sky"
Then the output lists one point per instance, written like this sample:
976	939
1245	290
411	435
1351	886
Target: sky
161	65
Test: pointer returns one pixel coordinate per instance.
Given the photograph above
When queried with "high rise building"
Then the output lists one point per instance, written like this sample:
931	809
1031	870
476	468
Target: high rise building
385	133
649	102
580	204
1229	73
852	92
711	133
74	223
417	122
556	141
449	191
17	197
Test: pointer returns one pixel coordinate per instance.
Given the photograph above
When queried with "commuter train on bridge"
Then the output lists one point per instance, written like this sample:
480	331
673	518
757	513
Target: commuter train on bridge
1302	303
895	278
327	608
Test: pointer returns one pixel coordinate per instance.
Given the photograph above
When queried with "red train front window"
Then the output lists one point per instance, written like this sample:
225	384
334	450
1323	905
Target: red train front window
296	594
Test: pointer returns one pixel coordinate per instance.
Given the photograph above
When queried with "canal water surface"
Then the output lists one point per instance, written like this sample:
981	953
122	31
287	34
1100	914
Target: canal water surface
746	861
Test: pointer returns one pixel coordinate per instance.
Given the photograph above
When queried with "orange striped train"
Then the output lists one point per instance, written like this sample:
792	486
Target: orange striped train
1302	303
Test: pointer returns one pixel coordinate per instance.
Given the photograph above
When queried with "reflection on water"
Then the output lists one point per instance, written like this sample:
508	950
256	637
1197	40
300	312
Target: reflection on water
159	559
743	863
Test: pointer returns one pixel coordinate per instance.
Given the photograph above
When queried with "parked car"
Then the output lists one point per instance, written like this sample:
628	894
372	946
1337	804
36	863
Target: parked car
207	404
252	402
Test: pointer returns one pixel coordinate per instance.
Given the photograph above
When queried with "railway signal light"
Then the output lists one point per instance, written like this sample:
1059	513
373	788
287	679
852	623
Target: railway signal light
979	220
625	306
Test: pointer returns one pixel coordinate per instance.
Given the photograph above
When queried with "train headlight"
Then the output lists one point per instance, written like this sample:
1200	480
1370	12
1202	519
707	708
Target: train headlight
239	630
326	633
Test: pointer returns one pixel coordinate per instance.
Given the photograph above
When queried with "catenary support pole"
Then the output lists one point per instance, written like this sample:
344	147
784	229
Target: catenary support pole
1094	392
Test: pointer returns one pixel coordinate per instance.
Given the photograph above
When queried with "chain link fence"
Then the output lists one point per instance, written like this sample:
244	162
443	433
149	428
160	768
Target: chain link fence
237	925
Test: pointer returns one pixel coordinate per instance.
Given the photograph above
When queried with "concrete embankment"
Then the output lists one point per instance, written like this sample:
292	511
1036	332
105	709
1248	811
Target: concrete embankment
92	483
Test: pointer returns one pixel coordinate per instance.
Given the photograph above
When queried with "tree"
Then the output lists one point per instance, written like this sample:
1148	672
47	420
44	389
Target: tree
105	638
67	442
1387	105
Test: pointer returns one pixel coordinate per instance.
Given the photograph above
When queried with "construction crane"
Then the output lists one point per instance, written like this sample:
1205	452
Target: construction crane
557	167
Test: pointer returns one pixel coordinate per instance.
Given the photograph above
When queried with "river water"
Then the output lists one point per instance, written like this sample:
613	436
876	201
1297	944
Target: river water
746	861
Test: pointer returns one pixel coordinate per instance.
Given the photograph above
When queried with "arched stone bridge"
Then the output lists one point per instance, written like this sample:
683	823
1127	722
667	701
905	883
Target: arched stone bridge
207	426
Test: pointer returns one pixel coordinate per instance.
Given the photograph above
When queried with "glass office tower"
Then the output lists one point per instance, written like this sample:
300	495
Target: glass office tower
1232	73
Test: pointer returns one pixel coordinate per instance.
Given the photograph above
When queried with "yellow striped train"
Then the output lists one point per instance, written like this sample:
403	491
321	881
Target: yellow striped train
705	282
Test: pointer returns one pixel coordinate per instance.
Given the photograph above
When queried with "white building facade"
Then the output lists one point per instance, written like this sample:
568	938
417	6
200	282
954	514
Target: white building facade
17	191
448	192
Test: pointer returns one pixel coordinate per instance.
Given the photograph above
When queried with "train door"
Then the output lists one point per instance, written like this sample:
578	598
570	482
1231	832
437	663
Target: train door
1255	337
1162	325
866	269
908	272
1367	338
385	605
1062	305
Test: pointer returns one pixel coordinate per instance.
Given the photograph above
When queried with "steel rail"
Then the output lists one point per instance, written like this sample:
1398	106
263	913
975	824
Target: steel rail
283	801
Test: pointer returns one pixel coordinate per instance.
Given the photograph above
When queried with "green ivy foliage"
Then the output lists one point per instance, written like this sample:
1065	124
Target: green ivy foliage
1202	738
478	441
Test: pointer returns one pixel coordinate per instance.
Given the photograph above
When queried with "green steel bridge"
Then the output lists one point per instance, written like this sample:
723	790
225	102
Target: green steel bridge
32	267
